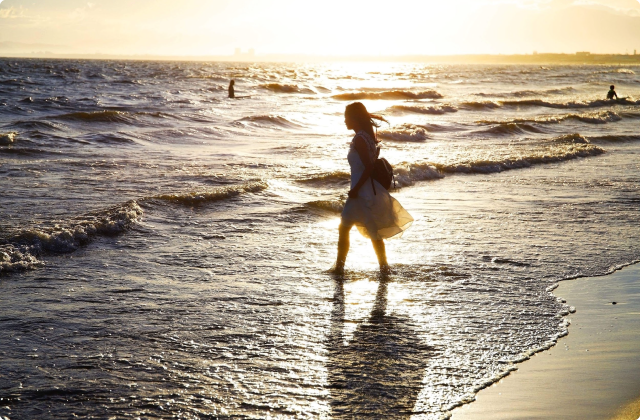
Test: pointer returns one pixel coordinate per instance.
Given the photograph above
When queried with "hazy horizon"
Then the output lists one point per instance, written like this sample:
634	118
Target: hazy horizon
283	27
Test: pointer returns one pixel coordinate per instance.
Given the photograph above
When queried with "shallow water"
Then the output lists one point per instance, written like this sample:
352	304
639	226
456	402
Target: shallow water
164	247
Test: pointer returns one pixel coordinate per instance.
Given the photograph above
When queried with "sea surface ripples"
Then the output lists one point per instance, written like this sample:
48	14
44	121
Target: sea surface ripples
163	249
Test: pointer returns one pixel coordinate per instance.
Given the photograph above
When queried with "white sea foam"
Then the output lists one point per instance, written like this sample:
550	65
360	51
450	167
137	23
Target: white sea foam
7	138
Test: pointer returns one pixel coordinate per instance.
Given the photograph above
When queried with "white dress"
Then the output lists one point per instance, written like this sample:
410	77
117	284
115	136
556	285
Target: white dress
377	216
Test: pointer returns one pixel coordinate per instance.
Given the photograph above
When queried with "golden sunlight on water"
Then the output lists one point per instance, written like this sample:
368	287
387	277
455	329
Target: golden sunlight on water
182	238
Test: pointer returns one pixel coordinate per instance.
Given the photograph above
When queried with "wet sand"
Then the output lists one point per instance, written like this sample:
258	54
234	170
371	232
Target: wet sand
593	373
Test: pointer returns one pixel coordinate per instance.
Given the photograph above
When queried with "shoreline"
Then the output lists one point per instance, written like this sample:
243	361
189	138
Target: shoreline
591	373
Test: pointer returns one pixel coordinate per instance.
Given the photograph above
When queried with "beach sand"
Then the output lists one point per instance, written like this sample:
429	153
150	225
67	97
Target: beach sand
593	373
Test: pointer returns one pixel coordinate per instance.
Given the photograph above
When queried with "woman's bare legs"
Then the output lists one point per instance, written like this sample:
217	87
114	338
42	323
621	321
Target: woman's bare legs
343	250
381	253
343	247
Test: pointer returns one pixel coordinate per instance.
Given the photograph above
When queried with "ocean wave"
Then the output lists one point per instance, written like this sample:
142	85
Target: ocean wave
16	82
568	105
26	151
21	250
388	95
404	133
111	116
334	206
630	115
407	174
614	71
602	117
431	110
7	138
553	154
614	138
554	150
38	125
128	82
510	128
285	88
98	116
331	177
106	138
596	118
596	103
478	106
216	78
574	138
270	120
525	93
439	128
211	195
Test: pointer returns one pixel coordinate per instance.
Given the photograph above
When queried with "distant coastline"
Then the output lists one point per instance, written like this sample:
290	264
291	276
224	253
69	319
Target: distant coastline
540	58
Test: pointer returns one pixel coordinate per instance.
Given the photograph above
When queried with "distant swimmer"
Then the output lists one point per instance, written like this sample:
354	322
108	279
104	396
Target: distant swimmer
612	93
232	92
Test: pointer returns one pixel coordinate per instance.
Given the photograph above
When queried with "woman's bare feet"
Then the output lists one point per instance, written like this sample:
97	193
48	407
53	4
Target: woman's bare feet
338	268
385	269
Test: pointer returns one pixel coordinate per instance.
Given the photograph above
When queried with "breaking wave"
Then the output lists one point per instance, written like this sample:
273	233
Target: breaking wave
568	105
7	138
334	206
211	195
597	103
404	133
510	128
574	138
331	177
602	117
269	120
285	88
407	174
525	93
431	110
618	71
388	95
554	150
21	250
479	106
556	153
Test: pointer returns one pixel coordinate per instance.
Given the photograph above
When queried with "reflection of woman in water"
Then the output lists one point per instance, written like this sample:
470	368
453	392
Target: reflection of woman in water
232	92
377	215
378	373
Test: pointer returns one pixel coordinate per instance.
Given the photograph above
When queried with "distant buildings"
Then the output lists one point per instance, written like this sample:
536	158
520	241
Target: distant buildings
249	55
583	53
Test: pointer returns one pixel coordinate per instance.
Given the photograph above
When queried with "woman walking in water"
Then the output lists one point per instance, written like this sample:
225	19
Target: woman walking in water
370	208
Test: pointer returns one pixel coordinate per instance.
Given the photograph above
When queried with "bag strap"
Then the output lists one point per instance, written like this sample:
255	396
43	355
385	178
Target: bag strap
373	164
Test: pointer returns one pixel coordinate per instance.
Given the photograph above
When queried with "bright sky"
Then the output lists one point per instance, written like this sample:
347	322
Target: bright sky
331	27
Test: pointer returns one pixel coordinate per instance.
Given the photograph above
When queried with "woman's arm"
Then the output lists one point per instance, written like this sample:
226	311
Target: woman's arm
363	151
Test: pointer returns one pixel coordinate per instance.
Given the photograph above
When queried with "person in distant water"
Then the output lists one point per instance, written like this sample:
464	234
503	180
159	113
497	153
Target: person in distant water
612	92
375	213
232	92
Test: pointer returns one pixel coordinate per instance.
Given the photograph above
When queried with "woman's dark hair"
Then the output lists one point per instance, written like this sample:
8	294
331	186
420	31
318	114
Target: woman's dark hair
359	114
612	87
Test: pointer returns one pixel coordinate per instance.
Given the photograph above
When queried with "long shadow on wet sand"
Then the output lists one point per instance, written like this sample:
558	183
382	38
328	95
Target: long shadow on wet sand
379	373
